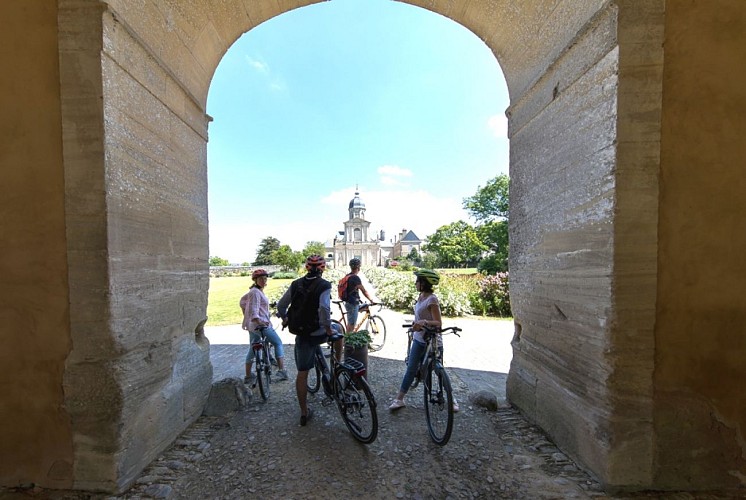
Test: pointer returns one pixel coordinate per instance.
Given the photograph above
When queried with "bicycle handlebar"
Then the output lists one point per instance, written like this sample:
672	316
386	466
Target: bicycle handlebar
453	329
362	304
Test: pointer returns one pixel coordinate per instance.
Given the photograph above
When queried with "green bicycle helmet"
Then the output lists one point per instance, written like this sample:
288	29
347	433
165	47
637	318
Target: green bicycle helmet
428	275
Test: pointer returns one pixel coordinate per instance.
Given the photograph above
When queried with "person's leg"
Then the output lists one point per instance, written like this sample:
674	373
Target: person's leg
416	352
304	361
301	390
253	337
276	341
352	314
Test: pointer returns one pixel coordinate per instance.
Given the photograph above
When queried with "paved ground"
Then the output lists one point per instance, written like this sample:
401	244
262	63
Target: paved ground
480	356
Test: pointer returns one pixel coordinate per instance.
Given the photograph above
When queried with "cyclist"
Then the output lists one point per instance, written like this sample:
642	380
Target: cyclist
354	288
426	314
316	292
256	320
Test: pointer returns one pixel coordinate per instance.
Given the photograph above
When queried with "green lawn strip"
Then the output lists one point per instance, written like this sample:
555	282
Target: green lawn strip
222	302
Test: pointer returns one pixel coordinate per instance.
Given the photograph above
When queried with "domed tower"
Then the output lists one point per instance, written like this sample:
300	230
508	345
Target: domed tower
357	207
354	240
356	228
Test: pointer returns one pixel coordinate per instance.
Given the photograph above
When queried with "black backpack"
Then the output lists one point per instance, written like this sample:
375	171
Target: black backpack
303	314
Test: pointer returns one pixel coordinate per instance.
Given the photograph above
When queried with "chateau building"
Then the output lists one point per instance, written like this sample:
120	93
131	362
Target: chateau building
357	241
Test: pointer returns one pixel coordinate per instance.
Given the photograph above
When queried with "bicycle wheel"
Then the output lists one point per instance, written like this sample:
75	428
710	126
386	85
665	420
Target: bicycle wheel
438	404
314	379
263	373
377	329
357	406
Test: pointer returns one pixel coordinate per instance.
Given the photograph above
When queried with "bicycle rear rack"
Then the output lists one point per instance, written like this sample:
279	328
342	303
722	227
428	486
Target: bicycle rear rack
354	366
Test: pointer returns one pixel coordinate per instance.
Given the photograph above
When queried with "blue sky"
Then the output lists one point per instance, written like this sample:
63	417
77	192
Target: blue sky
401	102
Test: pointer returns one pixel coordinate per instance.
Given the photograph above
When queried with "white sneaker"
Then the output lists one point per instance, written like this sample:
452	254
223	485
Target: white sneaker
282	375
456	408
397	404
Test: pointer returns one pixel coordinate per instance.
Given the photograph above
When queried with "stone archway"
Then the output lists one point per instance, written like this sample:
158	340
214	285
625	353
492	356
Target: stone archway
604	179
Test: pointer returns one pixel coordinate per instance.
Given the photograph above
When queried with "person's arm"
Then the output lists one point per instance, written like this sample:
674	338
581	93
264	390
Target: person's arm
365	292
253	312
283	304
325	312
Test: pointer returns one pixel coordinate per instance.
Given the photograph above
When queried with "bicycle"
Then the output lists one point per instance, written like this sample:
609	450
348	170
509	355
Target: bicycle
437	391
368	321
263	363
348	388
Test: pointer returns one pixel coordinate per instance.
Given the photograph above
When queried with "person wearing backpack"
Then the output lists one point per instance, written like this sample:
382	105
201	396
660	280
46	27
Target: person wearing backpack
256	320
305	310
349	290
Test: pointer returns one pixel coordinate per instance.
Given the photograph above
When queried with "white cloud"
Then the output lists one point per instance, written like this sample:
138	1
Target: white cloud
259	66
275	83
499	126
394	171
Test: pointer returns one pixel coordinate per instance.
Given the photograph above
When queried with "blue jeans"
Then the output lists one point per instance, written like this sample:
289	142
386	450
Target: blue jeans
416	353
271	334
352	313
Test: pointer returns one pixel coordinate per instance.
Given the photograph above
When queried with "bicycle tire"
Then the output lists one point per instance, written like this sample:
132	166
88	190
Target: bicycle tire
263	373
438	398
313	383
377	329
357	406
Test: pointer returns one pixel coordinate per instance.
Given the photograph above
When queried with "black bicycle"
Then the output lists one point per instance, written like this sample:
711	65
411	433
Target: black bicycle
348	388
263	364
436	385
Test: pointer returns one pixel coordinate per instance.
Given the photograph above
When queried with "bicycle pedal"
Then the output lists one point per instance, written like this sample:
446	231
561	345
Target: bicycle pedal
326	401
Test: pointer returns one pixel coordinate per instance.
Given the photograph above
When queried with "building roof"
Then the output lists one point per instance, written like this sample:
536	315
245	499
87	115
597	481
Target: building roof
411	237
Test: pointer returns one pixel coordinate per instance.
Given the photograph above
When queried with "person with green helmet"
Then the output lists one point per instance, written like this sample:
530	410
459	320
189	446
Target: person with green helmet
426	314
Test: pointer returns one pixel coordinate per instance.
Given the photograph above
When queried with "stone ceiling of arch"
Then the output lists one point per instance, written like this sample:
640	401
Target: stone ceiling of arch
191	36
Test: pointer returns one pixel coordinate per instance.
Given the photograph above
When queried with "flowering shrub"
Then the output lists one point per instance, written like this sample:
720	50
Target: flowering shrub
459	294
494	295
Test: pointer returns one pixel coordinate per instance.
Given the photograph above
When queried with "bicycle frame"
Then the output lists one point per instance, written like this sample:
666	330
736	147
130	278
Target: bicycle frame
436	385
345	384
364	315
263	364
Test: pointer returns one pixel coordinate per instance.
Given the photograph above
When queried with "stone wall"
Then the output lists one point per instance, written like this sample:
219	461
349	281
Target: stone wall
627	245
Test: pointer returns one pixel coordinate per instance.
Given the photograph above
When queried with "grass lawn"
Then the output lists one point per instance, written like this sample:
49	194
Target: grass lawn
222	302
466	270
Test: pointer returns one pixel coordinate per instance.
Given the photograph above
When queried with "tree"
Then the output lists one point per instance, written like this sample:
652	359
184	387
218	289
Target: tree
491	202
414	257
264	252
314	248
490	207
495	237
287	259
218	261
455	245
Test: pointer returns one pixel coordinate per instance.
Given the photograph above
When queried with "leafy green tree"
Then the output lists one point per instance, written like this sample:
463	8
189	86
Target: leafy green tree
314	247
264	252
456	245
495	236
491	202
490	208
286	258
414	257
218	261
